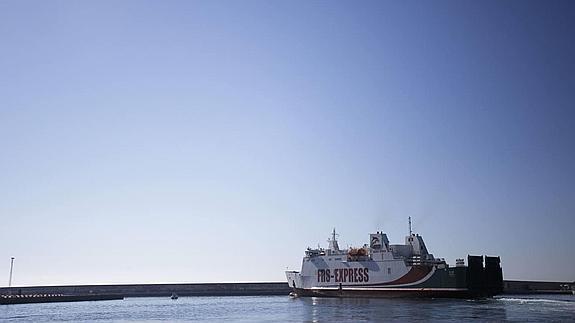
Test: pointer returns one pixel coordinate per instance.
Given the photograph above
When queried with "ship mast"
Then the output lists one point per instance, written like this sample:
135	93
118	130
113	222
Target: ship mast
333	242
410	232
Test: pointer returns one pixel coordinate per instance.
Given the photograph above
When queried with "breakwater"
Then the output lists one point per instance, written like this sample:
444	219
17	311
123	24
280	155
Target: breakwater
54	298
537	287
237	289
157	290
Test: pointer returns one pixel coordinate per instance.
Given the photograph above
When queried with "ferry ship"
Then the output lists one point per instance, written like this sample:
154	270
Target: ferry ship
381	269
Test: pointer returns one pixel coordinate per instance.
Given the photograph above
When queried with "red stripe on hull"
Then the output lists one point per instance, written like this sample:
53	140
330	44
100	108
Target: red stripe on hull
415	273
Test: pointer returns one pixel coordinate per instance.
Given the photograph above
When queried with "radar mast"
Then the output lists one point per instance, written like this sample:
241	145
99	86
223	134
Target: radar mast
333	241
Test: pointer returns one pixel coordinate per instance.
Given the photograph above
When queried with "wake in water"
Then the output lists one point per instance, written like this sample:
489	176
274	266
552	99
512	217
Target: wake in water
559	299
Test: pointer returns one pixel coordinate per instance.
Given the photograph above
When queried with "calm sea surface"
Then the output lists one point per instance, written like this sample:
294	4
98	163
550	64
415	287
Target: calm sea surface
285	309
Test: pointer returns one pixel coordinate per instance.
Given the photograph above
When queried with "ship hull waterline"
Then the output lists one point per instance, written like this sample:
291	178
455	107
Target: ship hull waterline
390	293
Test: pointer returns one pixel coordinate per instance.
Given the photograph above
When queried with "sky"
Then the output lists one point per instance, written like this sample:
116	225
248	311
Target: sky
213	141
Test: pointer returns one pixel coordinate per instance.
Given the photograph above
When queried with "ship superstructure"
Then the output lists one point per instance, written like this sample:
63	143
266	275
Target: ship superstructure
381	269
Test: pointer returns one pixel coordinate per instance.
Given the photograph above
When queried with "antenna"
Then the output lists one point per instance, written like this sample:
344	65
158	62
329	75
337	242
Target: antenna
410	233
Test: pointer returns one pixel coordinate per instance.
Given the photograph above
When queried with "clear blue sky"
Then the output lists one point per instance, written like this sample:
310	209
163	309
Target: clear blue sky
201	141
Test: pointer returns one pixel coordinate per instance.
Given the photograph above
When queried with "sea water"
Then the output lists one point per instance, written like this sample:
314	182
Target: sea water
286	309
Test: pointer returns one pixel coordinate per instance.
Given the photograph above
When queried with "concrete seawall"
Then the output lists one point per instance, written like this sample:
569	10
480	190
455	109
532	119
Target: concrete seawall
152	290
235	289
536	287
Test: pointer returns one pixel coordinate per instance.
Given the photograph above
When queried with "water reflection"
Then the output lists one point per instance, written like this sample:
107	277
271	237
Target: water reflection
371	309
